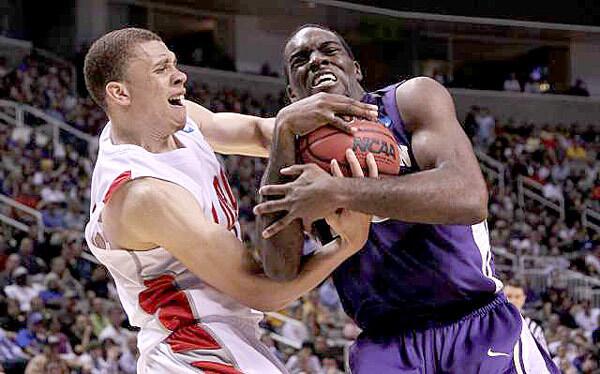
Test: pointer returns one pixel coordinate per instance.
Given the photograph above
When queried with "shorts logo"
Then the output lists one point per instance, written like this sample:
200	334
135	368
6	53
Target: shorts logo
188	129
496	354
387	122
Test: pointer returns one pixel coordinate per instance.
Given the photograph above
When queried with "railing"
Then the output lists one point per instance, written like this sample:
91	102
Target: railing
591	220
537	279
531	189
24	226
581	287
18	115
493	168
512	258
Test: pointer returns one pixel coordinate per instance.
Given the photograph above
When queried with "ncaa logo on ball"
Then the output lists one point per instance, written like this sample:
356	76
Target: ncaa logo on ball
374	146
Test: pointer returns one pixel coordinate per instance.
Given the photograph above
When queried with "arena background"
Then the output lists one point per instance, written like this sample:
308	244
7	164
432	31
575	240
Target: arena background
525	78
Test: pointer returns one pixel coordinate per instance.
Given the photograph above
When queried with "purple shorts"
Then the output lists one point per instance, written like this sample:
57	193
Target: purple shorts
492	339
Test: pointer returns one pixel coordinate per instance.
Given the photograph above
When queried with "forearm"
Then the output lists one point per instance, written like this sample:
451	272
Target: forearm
280	254
270	295
437	196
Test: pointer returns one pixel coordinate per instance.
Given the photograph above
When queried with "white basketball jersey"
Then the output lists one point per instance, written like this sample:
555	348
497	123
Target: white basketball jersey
159	294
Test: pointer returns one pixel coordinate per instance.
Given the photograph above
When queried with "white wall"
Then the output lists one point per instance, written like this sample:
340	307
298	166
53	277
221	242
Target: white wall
585	63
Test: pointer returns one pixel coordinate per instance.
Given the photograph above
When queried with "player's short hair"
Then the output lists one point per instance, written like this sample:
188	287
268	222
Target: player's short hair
515	283
316	26
107	58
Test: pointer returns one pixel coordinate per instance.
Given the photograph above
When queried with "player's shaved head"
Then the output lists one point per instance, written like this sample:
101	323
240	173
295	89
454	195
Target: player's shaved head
343	43
106	60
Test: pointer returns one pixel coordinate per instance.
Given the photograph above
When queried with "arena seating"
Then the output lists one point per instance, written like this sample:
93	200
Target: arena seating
52	288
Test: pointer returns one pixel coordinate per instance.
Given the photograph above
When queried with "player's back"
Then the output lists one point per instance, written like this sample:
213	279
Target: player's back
409	274
159	294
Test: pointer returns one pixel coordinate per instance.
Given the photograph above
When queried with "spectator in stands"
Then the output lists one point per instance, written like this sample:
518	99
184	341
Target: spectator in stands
512	84
21	290
98	316
49	360
13	261
80	333
596	333
331	366
52	296
516	295
587	317
485	127
32	338
12	357
128	359
305	361
29	260
578	89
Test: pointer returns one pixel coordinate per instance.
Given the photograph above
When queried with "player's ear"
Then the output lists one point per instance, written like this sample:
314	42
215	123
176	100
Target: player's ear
358	71
118	93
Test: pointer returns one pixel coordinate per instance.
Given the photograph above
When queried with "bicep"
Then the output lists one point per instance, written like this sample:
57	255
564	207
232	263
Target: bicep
437	137
169	216
236	133
233	133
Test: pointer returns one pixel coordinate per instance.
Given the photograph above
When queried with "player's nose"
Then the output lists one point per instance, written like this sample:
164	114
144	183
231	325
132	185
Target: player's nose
317	59
179	78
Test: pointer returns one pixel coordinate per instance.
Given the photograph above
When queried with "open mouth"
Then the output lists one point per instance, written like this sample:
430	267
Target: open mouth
176	100
325	79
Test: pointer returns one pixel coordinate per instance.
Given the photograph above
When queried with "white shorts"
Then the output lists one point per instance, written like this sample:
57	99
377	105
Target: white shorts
215	347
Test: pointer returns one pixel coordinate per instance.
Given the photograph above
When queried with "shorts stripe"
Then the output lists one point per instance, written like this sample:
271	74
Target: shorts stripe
516	354
521	356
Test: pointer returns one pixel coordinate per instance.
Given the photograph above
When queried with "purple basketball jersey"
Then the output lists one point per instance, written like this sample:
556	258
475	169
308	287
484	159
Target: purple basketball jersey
411	275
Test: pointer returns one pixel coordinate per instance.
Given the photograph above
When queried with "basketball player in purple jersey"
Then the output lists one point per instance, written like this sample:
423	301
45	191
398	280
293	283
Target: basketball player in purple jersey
423	288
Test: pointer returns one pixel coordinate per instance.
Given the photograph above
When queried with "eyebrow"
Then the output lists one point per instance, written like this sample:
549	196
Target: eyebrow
165	59
322	45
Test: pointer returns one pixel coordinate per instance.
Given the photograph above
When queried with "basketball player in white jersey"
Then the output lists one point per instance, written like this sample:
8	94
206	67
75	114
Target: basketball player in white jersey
164	219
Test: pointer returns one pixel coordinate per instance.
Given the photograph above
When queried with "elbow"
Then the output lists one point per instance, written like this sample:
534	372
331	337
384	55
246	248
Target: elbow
476	207
267	307
281	255
266	303
282	274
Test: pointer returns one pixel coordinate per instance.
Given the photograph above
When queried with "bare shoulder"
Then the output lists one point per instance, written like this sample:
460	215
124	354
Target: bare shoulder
422	100
198	113
135	209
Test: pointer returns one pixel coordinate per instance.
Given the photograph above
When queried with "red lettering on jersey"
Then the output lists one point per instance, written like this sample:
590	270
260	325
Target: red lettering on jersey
226	199
232	199
162	295
214	213
224	206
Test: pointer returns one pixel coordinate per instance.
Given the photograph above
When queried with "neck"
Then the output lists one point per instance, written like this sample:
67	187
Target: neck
151	139
357	92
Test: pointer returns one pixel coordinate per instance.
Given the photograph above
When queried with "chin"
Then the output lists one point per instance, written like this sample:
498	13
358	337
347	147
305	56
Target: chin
335	89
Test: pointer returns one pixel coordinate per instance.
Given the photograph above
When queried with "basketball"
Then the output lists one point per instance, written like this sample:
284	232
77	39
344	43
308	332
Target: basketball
328	143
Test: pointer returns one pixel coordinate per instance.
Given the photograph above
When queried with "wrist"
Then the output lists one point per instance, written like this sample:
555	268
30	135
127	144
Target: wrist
281	122
339	192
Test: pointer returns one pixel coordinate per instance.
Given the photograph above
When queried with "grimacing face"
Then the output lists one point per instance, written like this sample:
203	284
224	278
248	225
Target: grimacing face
317	62
155	86
516	296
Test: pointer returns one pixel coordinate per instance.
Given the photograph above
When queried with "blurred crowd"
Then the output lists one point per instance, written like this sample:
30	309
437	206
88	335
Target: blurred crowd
59	311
